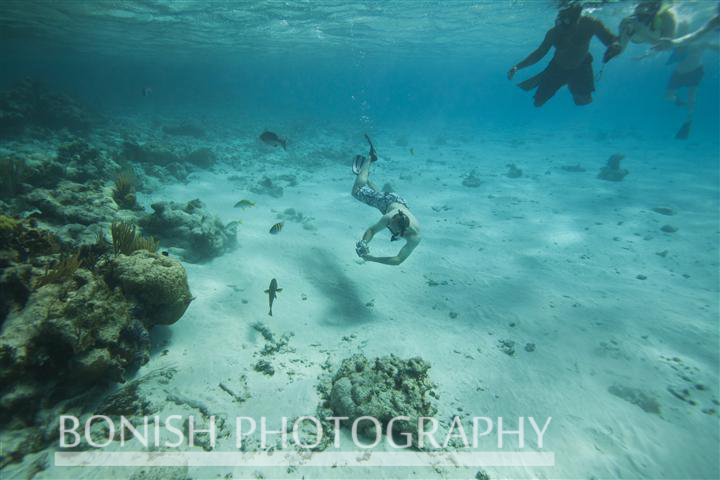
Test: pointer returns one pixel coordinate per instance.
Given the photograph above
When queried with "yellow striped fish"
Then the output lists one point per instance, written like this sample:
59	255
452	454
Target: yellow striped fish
276	228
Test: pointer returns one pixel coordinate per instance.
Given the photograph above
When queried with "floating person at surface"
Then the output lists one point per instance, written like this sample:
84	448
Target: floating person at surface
572	63
396	215
712	26
651	22
689	70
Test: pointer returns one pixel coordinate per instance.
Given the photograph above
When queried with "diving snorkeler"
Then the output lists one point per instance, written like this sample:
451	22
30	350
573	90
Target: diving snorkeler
396	215
572	63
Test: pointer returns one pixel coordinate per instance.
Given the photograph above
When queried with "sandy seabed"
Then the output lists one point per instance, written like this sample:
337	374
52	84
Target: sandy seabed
554	294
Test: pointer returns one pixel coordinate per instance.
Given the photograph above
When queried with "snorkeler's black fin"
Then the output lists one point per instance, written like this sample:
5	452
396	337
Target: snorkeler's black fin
684	131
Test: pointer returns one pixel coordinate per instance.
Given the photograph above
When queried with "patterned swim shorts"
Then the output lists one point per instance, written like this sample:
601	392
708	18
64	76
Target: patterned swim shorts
379	200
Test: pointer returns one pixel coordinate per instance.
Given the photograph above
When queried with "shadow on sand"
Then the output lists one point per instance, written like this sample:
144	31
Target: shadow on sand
344	303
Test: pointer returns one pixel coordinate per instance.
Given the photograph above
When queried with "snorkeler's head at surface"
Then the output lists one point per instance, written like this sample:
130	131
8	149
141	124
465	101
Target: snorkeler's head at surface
647	10
569	15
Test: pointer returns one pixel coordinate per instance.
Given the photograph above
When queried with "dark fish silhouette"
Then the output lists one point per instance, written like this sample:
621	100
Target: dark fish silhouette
272	293
146	91
276	228
273	139
245	204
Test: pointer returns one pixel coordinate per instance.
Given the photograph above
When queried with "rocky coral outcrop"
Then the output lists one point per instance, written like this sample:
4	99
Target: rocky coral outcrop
71	202
156	283
382	388
198	234
29	105
202	157
68	321
612	171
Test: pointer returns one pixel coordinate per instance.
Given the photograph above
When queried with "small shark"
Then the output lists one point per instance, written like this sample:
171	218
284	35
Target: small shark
272	293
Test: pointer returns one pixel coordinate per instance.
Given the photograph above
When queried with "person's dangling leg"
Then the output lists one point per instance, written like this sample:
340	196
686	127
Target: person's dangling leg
362	177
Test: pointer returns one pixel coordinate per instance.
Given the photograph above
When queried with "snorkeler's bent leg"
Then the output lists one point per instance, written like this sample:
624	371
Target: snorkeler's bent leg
582	83
362	177
582	99
692	97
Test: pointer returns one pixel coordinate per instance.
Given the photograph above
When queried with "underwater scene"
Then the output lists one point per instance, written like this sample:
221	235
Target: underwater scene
472	239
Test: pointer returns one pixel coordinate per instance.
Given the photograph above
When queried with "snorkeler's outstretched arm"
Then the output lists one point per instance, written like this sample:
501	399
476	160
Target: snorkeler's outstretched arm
712	25
402	255
535	56
611	41
370	232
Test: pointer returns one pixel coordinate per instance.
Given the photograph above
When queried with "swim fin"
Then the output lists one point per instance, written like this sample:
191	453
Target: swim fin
684	131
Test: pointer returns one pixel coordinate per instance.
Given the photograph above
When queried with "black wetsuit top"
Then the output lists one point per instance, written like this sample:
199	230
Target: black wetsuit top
572	44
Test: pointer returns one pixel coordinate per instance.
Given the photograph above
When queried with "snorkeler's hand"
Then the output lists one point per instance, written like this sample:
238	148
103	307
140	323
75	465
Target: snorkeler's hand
362	249
613	50
664	44
511	73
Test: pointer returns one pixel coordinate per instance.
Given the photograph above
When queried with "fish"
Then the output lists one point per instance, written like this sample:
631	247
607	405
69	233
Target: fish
244	204
273	139
276	228
146	91
412	151
272	293
233	224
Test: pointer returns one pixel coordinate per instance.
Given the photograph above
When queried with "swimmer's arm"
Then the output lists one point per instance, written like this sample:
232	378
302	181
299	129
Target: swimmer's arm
608	39
713	24
603	33
626	30
370	232
539	53
402	255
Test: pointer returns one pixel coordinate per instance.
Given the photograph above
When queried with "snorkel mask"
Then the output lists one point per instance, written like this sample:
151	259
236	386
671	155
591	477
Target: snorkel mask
404	223
569	16
646	11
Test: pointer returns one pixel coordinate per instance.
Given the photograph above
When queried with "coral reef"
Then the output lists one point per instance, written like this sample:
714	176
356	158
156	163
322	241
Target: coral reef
383	388
471	180
13	172
513	171
612	171
125	240
124	191
70	320
70	202
191	228
155	160
267	187
156	284
202	157
185	130
29	105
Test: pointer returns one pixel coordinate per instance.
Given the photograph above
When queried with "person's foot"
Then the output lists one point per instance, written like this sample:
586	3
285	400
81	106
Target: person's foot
684	131
358	162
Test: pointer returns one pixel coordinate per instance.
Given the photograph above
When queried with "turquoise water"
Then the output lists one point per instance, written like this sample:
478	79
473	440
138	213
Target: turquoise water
613	317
